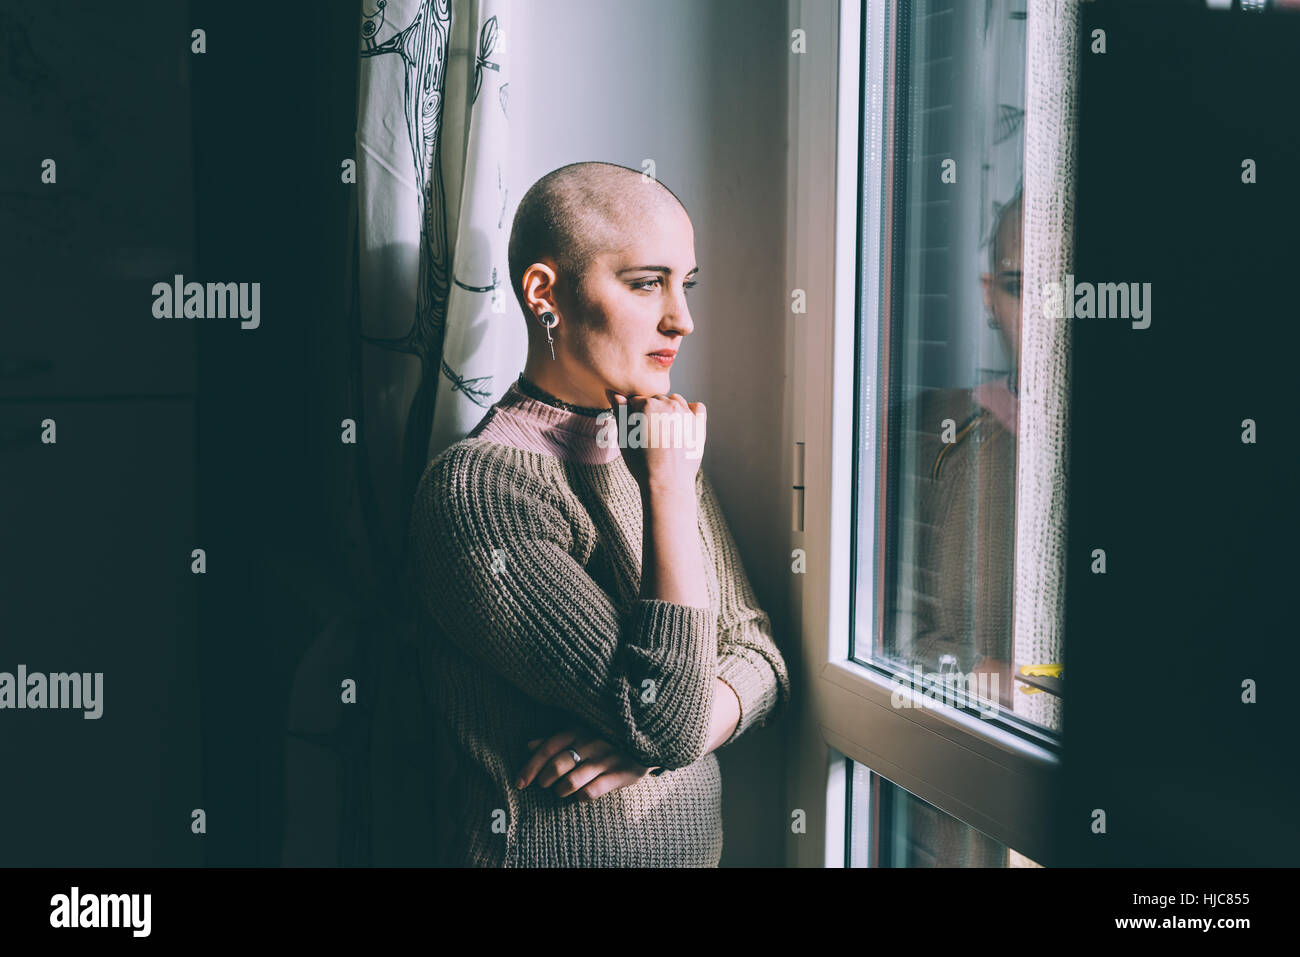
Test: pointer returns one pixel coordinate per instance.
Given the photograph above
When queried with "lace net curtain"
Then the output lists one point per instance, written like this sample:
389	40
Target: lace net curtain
1050	128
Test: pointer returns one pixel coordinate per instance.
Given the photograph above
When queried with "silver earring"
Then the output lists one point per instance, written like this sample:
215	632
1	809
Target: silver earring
993	323
550	320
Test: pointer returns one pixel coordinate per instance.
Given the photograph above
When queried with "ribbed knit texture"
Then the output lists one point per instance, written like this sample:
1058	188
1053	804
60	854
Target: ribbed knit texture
964	530
526	565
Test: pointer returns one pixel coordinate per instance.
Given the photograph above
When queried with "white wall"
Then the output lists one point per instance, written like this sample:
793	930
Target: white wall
699	86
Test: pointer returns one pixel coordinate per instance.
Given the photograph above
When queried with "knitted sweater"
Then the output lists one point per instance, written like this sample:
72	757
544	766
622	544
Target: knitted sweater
526	565
965	530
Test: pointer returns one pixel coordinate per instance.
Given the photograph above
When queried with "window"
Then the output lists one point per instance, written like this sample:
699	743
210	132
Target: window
937	441
891	828
937	750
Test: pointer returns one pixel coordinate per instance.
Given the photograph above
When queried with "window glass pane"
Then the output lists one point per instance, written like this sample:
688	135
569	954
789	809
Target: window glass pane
938	569
889	827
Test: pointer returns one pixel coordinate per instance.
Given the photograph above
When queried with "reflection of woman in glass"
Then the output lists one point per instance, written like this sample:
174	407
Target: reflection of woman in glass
966	520
590	634
965	536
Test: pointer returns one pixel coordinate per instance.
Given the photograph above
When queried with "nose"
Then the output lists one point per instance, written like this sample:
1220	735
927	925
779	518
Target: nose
678	316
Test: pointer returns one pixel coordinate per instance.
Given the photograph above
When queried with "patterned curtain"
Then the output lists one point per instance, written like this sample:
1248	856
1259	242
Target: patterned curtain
432	165
432	149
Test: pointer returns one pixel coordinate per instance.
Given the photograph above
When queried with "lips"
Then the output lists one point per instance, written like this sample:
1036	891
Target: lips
664	357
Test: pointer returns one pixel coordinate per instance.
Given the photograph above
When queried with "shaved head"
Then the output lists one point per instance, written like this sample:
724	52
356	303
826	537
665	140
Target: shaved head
574	213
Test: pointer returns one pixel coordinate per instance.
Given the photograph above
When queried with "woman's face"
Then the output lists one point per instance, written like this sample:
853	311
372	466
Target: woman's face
1002	287
632	304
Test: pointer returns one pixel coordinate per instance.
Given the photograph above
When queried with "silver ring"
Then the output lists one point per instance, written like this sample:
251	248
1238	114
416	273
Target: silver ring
577	758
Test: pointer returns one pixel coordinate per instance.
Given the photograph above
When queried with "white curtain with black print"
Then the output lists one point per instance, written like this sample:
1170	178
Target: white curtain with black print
432	154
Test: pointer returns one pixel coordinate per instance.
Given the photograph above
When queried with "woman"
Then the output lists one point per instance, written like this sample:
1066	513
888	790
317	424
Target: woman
592	635
966	494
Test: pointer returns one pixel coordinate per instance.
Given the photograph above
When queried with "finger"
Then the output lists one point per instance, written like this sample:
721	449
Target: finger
603	758
562	763
541	755
609	781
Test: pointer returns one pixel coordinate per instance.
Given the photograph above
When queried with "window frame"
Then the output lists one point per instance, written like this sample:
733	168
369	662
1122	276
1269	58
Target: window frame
996	781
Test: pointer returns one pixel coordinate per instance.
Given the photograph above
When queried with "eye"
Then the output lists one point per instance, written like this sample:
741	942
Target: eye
641	284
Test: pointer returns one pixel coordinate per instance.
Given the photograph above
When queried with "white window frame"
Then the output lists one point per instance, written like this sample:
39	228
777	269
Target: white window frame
990	778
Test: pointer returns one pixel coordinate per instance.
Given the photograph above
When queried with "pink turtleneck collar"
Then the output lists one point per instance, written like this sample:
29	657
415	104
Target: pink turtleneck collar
522	422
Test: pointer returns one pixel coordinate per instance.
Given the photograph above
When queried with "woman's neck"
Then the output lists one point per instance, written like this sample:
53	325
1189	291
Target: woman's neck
530	418
528	387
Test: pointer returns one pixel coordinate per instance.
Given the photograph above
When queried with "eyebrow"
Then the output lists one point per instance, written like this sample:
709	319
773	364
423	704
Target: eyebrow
663	269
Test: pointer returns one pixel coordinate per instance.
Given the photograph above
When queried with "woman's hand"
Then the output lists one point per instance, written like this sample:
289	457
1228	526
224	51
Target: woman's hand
602	769
670	463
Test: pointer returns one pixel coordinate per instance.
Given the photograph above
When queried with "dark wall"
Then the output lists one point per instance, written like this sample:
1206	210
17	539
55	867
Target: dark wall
98	402
1199	529
274	112
176	434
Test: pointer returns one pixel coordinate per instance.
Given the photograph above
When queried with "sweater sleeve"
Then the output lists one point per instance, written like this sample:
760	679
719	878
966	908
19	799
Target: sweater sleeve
492	564
748	659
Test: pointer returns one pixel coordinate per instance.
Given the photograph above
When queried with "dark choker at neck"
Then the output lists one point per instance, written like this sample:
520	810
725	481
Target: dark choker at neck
534	391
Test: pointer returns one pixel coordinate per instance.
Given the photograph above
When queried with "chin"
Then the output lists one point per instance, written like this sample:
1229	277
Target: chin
651	384
658	383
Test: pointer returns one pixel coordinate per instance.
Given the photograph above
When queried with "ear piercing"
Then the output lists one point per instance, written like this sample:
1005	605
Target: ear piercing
550	320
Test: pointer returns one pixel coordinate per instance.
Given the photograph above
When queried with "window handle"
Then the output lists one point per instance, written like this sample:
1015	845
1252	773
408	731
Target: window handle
1040	678
797	500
